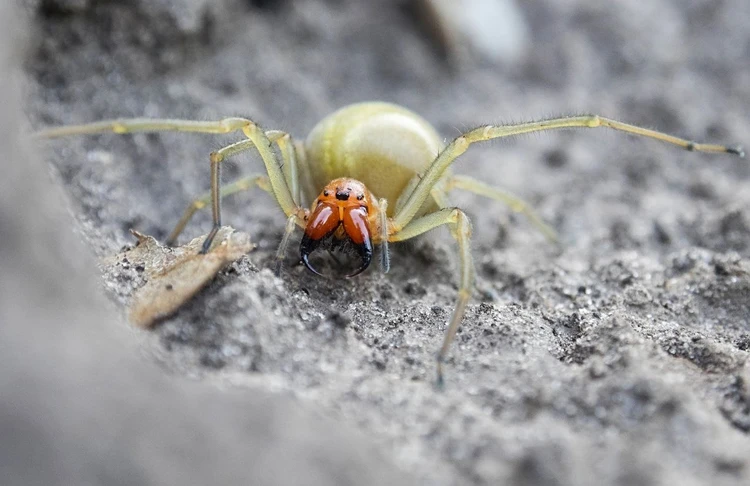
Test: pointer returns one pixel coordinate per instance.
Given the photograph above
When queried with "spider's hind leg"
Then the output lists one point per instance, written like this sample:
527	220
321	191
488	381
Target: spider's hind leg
203	201
515	203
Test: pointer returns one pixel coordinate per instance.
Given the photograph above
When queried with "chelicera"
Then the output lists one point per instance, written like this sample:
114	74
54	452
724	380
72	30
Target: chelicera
378	174
341	211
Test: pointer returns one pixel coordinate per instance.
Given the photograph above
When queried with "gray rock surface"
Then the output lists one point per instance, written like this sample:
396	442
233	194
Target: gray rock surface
619	358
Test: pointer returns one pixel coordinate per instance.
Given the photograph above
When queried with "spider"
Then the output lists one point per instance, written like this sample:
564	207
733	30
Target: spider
381	174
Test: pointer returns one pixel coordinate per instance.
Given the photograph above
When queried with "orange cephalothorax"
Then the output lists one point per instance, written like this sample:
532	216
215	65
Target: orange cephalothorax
341	211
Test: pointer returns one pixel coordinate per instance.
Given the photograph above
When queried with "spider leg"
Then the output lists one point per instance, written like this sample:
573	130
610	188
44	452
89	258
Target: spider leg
276	177
294	160
291	223
283	140
385	256
290	167
515	203
408	210
134	125
280	184
460	229
203	201
307	186
291	174
245	183
239	185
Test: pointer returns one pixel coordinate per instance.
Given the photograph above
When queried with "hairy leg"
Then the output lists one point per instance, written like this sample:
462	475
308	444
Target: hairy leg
460	229
514	202
457	147
203	201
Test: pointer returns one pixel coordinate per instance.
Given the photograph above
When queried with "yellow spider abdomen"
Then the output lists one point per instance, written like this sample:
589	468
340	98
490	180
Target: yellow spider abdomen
380	144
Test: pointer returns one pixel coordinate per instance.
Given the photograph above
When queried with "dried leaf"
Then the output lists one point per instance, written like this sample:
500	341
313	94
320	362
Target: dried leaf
174	275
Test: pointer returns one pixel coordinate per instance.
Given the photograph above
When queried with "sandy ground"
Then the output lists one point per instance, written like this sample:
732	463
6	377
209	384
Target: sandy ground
620	357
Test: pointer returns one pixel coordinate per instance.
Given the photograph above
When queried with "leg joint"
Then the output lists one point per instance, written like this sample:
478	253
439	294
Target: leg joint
461	144
464	294
459	217
198	204
593	121
119	127
454	215
233	124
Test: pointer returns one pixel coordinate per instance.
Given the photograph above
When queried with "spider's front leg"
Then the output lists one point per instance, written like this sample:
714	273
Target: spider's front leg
280	185
284	183
404	226
490	132
288	153
141	125
460	228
